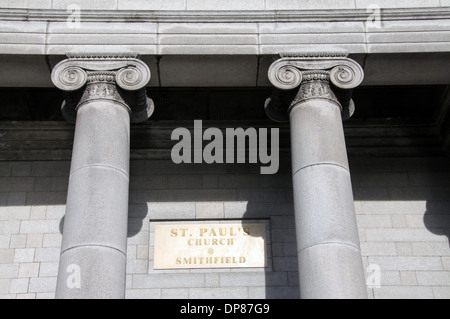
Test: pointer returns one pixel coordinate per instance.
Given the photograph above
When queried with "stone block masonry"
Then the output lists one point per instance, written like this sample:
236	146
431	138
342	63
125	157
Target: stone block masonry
219	4
232	27
403	221
32	206
406	237
403	214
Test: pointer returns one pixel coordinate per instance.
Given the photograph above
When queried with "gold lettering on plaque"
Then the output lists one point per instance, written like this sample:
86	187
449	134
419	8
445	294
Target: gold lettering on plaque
210	246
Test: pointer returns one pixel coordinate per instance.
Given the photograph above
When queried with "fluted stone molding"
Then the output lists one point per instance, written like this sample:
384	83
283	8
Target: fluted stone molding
312	93
314	71
120	77
104	94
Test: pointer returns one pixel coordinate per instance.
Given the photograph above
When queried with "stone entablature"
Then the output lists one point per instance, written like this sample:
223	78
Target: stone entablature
51	31
189	48
222	4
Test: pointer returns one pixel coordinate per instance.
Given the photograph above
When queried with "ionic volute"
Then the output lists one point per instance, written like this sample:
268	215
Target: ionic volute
120	77
301	76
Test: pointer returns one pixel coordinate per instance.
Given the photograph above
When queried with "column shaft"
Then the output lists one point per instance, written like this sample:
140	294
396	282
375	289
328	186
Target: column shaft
103	94
95	224
329	258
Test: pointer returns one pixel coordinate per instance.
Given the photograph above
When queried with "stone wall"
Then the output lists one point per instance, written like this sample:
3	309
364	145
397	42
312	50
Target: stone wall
403	213
32	205
200	27
402	204
220	4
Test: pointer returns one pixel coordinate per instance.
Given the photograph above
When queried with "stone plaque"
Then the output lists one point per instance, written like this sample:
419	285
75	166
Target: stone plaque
210	246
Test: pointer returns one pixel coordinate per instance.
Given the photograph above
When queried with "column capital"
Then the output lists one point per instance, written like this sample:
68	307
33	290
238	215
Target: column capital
119	77
312	69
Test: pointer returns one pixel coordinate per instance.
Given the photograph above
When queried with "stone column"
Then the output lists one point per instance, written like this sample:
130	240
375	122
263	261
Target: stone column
103	94
312	92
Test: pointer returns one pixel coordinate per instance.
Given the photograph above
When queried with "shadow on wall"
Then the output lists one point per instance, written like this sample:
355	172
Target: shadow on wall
267	197
407	180
281	273
437	218
247	195
136	219
61	224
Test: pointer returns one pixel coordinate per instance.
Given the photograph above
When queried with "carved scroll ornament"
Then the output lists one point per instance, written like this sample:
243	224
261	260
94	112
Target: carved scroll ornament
312	73
117	77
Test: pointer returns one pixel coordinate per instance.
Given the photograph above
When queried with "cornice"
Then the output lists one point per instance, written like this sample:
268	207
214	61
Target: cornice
55	15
